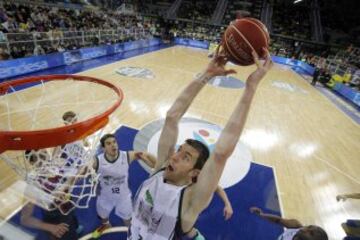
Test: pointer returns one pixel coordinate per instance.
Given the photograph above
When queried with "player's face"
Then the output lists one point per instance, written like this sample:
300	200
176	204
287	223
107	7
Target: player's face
111	146
180	166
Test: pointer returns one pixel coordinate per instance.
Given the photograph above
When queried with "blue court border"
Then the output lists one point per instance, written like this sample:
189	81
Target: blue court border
258	188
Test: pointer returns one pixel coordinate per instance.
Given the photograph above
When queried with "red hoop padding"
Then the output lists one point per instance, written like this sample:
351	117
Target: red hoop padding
38	139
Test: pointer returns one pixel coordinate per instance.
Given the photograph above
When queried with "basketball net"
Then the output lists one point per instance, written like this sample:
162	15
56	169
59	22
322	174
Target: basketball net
60	176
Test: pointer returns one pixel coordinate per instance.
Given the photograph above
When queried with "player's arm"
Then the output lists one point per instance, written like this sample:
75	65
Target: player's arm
95	163
344	197
228	211
28	220
208	179
288	223
170	130
146	157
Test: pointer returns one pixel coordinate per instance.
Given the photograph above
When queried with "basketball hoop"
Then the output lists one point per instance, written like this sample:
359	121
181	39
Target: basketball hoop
53	157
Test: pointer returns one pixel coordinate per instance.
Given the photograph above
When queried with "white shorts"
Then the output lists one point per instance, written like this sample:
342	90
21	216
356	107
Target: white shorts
122	204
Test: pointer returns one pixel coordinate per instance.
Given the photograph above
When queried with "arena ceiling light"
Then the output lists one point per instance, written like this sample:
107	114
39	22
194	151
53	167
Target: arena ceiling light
297	1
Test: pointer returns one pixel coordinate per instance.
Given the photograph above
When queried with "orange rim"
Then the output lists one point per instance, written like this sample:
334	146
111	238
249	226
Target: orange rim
38	139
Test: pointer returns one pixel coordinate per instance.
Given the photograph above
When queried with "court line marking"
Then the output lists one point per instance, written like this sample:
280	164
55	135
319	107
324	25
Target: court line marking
325	97
279	193
22	205
337	169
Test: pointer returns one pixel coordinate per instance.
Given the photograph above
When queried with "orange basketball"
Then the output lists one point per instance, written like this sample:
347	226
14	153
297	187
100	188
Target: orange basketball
242	36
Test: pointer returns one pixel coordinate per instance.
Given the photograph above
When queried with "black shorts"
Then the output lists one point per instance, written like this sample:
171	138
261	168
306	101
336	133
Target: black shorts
56	217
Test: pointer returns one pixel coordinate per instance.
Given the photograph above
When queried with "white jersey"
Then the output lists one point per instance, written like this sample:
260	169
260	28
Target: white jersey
156	210
113	175
288	234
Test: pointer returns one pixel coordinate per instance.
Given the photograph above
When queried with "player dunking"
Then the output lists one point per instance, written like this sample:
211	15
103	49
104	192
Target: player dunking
168	204
113	167
227	211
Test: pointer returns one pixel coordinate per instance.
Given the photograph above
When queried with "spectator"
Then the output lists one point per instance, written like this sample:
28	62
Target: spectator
11	25
15	52
4	55
355	81
60	48
2	35
325	76
315	76
3	16
38	50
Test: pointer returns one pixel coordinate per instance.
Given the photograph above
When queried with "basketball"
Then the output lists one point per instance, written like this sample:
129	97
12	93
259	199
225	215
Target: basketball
242	36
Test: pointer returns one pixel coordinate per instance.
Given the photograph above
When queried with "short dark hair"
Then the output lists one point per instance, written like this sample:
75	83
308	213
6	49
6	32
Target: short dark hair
105	137
203	151
68	114
318	234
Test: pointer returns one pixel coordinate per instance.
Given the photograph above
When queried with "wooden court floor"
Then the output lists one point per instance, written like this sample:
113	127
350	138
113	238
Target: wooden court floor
313	146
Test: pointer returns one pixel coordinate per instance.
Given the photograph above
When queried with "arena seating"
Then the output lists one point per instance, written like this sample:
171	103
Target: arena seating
196	10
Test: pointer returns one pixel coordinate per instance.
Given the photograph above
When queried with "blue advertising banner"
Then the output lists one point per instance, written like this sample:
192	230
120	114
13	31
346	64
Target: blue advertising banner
154	41
30	64
192	43
295	63
72	56
349	93
17	67
117	48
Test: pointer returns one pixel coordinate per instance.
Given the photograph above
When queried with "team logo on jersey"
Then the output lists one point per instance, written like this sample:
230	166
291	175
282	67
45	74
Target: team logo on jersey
237	165
136	72
149	198
113	181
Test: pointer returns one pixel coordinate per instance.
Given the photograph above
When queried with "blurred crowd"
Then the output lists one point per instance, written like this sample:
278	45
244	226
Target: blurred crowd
58	29
197	10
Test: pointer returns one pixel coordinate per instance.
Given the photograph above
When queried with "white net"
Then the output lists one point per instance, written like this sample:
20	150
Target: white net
58	177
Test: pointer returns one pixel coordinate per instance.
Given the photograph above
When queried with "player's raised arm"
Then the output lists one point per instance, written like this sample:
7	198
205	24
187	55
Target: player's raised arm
208	179
170	130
